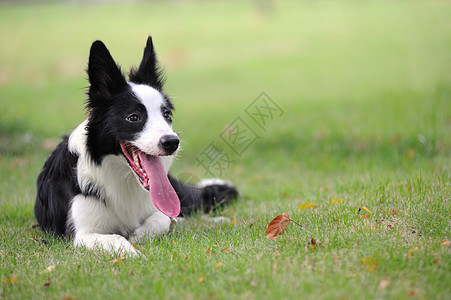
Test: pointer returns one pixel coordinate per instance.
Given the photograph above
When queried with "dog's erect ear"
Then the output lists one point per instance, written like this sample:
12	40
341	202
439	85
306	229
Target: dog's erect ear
105	75
149	71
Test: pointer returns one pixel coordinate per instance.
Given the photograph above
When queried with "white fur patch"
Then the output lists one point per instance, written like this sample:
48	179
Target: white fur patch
156	126
214	181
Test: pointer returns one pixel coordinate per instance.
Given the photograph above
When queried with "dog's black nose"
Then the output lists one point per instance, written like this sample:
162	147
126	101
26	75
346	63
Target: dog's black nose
169	143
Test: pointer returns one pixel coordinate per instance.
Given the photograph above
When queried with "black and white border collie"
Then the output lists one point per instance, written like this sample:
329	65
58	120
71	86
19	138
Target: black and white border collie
107	183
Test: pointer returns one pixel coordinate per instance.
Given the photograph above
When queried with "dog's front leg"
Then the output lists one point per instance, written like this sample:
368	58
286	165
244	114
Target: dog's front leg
112	243
92	224
155	225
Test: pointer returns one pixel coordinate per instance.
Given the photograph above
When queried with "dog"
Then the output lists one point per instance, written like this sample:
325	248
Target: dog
106	185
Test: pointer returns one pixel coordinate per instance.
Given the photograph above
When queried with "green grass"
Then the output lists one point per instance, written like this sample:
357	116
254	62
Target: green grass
365	89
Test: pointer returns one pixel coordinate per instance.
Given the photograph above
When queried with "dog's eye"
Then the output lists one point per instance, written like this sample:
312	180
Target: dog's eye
167	114
133	118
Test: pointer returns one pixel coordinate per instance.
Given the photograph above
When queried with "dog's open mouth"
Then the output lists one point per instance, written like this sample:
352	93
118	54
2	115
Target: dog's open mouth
151	174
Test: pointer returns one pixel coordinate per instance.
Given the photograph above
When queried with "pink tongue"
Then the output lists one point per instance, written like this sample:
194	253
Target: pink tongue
161	191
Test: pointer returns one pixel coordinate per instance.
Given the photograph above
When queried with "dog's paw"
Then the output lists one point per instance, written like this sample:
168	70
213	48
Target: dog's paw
112	243
156	225
216	192
120	245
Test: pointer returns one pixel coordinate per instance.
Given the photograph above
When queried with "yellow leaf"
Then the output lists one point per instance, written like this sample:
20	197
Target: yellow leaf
337	200
445	243
306	205
11	280
134	245
201	280
218	265
371	264
366	209
234	222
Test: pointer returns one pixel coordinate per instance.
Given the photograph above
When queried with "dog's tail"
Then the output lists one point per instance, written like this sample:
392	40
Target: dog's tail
207	195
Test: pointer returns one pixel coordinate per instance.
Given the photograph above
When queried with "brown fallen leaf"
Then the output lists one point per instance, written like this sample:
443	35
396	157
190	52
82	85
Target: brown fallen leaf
412	292
47	283
277	226
312	244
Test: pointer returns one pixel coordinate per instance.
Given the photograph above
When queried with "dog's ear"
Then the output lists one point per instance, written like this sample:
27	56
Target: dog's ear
149	71
105	75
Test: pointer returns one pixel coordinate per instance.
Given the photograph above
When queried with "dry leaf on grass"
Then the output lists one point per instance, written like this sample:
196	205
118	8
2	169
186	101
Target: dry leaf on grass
120	260
218	265
277	226
370	264
337	200
306	205
11	280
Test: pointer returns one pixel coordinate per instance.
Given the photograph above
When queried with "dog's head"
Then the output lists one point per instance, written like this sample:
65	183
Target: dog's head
130	118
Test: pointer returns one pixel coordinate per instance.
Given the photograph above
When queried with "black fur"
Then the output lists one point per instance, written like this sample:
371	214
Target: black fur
56	186
149	71
193	198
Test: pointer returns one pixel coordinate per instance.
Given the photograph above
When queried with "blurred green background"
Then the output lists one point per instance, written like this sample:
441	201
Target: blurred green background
364	85
365	89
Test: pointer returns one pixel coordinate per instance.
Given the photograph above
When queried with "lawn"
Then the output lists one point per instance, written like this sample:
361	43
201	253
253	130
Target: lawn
346	108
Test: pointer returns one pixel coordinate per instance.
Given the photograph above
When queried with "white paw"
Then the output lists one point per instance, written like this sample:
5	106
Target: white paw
156	225
121	245
112	243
